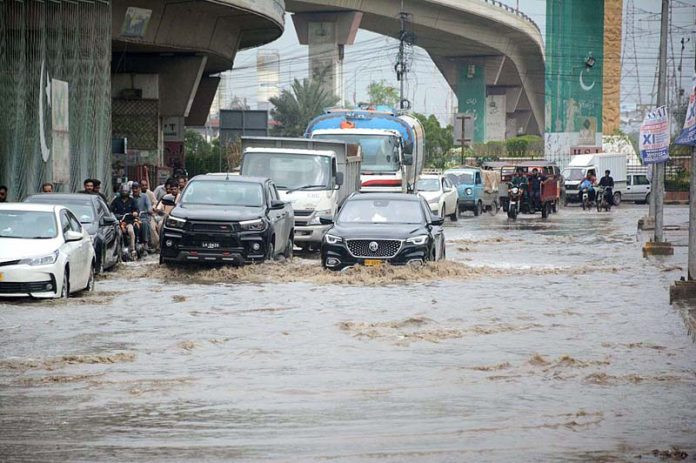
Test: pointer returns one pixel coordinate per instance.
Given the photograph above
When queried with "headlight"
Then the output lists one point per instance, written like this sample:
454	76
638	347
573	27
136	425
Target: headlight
468	191
43	260
332	239
317	214
514	190
253	225
418	240
175	222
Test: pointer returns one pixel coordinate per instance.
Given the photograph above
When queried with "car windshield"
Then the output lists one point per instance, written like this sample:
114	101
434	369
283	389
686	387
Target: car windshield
28	224
573	174
380	153
464	177
289	171
82	209
428	184
381	211
223	193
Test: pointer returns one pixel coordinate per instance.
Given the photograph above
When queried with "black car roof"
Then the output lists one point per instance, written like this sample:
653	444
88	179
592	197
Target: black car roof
231	178
392	196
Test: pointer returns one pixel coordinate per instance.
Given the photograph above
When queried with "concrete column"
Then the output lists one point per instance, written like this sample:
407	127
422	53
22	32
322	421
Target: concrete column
326	34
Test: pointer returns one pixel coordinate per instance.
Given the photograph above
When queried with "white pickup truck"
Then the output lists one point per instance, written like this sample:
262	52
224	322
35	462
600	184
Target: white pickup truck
314	175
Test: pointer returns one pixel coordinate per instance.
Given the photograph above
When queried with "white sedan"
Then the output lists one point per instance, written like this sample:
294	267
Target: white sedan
440	194
44	252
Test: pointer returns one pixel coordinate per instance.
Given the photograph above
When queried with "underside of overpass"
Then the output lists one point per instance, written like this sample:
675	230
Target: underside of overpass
491	56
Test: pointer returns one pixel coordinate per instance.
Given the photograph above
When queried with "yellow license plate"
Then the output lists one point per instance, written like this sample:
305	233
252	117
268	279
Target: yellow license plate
372	262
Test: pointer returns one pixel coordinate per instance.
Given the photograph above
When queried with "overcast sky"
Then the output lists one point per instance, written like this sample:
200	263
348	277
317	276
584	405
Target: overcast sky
372	58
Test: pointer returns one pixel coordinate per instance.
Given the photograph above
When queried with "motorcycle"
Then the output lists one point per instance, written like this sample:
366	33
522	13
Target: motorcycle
128	254
605	198
585	199
515	198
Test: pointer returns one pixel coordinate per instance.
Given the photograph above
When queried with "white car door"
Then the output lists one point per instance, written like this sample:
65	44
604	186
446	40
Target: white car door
70	249
641	186
450	196
83	250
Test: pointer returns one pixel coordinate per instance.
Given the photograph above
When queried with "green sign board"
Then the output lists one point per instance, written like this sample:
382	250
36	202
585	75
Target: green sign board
574	60
471	93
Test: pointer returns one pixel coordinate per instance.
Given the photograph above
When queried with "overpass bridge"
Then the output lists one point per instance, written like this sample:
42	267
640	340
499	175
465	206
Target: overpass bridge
491	55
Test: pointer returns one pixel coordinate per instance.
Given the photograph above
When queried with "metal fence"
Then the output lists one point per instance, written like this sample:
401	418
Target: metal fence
70	42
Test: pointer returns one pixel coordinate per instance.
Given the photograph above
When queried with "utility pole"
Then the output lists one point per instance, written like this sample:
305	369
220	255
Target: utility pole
691	275
659	168
406	38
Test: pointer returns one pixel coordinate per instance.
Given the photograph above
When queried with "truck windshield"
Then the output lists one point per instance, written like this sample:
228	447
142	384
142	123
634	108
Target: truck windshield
380	153
289	171
573	174
466	178
223	193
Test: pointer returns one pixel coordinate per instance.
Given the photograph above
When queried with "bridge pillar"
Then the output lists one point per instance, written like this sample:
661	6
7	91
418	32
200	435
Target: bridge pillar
326	34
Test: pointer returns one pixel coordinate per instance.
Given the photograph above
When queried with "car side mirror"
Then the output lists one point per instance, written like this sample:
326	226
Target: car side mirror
107	220
326	220
169	200
437	220
277	204
72	236
339	178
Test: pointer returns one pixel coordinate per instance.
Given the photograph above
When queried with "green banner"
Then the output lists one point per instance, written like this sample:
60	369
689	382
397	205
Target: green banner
574	59
471	94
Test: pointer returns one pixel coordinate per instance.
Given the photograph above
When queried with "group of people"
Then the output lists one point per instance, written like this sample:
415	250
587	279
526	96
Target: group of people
606	182
530	186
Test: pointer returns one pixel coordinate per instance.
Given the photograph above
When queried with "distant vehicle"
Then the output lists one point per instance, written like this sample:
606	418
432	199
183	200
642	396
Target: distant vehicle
314	175
477	189
96	218
377	228
637	187
583	164
549	169
44	252
520	200
440	194
227	219
393	150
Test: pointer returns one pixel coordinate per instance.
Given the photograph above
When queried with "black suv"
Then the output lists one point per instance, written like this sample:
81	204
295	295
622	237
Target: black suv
375	228
227	219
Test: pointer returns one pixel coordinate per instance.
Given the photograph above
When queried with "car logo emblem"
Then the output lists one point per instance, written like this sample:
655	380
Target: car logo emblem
373	246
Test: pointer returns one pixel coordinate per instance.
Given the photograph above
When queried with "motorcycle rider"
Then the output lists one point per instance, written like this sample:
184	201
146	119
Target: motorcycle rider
142	202
121	205
586	183
535	195
154	237
608	183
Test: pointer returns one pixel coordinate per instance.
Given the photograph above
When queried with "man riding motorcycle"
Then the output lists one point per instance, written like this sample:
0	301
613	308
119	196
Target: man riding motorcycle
607	182
586	184
535	195
122	205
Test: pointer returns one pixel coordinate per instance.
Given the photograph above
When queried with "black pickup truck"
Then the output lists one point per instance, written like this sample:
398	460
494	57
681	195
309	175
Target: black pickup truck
227	219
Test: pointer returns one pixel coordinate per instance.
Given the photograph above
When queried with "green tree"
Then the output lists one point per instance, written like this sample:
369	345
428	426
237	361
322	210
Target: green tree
438	142
294	108
383	94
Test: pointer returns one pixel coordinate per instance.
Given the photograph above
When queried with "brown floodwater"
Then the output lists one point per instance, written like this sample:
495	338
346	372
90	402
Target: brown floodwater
536	341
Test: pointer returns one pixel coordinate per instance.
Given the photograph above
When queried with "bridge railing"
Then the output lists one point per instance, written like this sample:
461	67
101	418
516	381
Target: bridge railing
514	11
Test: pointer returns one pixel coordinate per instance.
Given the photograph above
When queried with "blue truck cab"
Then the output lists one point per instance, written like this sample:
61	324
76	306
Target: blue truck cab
469	183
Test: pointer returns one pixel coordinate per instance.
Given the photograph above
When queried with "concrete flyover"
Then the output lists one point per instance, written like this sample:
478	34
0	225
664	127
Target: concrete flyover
491	55
165	55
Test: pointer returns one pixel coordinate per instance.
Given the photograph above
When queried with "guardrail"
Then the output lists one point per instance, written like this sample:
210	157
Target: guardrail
514	11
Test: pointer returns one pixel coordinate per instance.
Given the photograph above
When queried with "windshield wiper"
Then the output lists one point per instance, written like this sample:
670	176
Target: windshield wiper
306	187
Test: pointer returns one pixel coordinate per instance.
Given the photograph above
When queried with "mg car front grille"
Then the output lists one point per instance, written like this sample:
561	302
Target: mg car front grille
374	248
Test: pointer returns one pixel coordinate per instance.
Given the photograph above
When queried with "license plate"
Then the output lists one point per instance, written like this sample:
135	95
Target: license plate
372	262
210	245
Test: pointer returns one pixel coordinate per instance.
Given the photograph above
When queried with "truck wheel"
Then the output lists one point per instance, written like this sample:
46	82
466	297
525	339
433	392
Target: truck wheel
478	209
545	211
617	198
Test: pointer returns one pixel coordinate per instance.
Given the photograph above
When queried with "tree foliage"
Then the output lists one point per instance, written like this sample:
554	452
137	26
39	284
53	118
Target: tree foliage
203	157
382	94
295	107
438	142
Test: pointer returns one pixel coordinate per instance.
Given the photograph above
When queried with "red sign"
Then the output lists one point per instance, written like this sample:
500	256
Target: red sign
174	154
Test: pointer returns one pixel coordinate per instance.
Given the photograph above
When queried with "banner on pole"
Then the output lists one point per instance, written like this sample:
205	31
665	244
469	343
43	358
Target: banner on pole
688	133
654	136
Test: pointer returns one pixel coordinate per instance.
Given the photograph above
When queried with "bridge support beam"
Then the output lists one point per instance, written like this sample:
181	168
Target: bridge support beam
326	35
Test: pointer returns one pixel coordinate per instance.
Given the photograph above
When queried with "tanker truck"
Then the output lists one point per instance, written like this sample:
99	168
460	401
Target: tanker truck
392	145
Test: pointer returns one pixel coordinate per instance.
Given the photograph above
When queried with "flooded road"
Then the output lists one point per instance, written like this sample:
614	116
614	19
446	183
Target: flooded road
536	341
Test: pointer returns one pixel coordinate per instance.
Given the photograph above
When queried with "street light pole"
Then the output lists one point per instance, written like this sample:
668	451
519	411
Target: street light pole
659	169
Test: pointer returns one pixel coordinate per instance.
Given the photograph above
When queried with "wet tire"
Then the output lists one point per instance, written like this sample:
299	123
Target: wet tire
270	252
512	213
100	259
599	205
65	289
545	211
478	209
289	249
554	207
647	199
90	282
493	210
453	216
617	198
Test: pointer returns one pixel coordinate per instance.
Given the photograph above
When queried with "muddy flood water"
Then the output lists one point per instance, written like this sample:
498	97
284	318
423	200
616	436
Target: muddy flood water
535	341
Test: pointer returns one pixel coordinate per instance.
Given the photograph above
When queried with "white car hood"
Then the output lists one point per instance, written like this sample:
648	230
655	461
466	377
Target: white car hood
305	200
430	196
14	249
